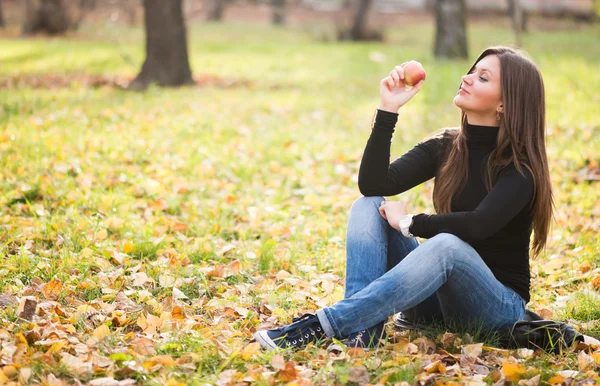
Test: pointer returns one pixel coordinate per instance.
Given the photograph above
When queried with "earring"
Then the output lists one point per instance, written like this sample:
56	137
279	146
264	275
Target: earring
497	115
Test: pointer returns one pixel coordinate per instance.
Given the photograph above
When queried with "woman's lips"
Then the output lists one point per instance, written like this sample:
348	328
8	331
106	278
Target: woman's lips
463	90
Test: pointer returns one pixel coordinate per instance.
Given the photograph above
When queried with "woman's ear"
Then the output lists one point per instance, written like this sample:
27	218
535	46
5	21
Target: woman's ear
500	108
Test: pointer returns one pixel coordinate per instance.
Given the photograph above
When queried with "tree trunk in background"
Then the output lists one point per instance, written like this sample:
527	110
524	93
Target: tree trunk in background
87	5
216	11
166	46
360	17
278	8
1	15
451	34
51	16
516	13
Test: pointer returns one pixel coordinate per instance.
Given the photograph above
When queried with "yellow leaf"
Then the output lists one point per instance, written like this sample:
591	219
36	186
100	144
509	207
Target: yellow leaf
101	331
127	247
56	347
556	380
52	289
172	382
250	350
513	371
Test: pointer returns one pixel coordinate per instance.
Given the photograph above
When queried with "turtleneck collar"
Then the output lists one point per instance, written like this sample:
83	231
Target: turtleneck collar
481	135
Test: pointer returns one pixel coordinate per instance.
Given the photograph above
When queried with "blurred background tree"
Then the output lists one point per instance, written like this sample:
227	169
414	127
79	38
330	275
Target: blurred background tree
166	46
451	29
1	15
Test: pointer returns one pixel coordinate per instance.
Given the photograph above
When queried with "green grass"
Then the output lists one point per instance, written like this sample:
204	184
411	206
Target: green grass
263	174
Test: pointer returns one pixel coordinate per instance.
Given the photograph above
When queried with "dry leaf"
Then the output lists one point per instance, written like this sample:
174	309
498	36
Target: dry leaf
288	373
472	350
28	309
52	289
278	362
513	371
101	331
177	294
177	313
249	351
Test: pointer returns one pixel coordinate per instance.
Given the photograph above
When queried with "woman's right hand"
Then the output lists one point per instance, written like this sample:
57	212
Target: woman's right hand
393	92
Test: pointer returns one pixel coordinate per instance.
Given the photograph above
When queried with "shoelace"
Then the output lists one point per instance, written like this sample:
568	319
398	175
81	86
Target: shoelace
357	337
290	342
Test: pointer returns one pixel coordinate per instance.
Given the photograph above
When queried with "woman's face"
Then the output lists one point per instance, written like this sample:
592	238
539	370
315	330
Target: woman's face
480	94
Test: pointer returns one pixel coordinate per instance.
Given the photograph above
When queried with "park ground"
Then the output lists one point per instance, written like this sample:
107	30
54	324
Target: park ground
146	236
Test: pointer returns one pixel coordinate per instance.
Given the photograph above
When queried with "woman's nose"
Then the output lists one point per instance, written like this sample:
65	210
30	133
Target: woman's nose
465	78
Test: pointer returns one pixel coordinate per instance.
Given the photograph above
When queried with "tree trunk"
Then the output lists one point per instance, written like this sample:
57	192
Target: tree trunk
166	46
360	17
278	16
216	12
1	15
451	35
518	17
51	16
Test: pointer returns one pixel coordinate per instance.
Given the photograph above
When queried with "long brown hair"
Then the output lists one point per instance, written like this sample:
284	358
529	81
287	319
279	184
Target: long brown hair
520	141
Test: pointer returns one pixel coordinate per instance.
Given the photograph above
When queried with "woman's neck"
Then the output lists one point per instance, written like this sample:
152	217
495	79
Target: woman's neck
478	120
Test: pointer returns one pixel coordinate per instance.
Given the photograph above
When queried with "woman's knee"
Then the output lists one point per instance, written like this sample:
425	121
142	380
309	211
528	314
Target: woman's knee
448	247
367	202
364	216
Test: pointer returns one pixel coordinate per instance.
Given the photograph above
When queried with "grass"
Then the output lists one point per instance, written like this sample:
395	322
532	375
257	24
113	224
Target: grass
97	185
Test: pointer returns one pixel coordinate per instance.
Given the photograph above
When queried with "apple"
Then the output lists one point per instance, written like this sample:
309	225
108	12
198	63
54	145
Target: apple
413	73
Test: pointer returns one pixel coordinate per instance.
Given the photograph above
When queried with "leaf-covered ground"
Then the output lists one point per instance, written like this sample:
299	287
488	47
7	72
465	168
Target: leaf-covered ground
146	236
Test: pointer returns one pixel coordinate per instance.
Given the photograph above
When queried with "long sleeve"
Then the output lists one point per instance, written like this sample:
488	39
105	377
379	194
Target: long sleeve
377	177
506	199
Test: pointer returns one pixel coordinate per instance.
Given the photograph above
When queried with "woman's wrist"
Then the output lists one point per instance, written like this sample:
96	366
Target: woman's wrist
390	109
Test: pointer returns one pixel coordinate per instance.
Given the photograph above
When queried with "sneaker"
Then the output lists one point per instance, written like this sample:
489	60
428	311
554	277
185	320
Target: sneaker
402	323
301	332
366	339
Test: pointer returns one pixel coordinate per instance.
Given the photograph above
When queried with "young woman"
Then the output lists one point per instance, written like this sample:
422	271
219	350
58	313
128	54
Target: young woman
492	188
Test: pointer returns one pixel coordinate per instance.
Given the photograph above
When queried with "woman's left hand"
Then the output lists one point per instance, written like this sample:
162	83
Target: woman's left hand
392	211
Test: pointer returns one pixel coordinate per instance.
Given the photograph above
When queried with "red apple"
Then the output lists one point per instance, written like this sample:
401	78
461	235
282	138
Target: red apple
413	73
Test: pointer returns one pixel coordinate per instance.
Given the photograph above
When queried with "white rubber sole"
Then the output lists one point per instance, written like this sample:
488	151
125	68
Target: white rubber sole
264	340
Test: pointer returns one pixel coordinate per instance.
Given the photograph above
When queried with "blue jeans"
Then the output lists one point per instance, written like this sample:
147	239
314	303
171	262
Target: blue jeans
443	279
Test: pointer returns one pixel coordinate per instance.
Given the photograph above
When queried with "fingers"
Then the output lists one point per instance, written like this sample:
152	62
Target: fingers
397	74
382	210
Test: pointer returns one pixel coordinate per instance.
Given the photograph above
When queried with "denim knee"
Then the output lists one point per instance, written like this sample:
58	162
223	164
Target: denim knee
447	244
367	201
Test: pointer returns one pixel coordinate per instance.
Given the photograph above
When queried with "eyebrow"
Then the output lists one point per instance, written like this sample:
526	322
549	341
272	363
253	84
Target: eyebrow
484	69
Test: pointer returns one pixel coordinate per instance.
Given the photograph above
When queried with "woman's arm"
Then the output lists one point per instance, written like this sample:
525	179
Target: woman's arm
507	198
377	177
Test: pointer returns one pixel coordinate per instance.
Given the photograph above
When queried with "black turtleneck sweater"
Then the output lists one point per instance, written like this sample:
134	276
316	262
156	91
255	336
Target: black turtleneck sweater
497	224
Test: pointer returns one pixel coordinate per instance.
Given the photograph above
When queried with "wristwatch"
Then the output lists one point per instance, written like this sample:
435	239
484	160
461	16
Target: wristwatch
405	223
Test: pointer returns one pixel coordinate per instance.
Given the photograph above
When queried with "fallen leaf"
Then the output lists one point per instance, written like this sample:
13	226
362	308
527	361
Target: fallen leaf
513	371
472	350
288	373
52	289
28	309
177	313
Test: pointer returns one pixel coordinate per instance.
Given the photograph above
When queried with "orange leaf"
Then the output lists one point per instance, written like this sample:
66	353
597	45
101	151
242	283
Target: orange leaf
216	272
596	282
235	267
289	373
177	313
52	289
143	346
